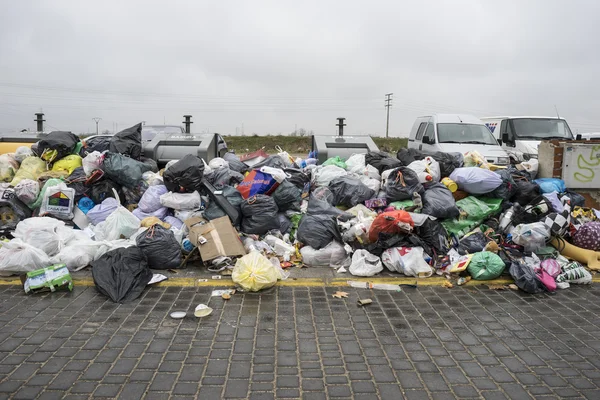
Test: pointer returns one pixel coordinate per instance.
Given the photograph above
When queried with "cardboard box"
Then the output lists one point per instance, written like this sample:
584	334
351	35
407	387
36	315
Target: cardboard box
222	239
49	279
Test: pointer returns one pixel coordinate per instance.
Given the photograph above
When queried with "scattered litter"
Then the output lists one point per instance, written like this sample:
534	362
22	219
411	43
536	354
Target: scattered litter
178	314
216	277
156	278
447	284
221	292
376	286
339	295
364	302
202	310
49	279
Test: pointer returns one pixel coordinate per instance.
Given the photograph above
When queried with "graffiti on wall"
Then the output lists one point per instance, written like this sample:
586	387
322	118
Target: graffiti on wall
586	165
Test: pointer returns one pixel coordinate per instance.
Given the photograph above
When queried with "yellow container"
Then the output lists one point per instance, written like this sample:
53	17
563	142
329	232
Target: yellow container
450	184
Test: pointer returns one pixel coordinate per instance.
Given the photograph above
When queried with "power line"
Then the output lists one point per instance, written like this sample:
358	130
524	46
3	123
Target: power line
388	104
96	120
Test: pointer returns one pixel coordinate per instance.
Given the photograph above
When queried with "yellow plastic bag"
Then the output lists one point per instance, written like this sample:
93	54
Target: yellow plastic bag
475	159
151	221
68	164
31	168
8	167
254	272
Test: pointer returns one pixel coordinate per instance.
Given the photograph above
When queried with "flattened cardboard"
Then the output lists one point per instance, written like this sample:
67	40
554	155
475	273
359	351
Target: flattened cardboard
222	238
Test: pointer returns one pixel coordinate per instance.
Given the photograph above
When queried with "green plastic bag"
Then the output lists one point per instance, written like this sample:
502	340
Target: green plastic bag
474	210
337	161
403	204
485	266
38	201
295	219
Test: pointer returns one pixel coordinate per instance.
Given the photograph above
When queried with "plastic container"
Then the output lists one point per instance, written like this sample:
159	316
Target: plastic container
450	184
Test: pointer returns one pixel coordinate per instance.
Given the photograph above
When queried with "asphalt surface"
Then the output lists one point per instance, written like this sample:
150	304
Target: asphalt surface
300	342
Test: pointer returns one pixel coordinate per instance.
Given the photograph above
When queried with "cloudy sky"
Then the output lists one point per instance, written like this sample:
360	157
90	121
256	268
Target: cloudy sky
270	66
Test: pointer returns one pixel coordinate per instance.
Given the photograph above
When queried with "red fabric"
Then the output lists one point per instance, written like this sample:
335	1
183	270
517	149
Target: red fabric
387	222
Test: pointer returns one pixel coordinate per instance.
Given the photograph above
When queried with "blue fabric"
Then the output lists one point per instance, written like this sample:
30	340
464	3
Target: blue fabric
549	185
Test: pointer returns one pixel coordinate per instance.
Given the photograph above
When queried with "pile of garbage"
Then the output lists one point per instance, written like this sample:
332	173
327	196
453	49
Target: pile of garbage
100	204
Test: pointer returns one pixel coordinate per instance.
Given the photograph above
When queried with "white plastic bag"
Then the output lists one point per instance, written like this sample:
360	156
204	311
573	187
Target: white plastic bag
407	260
365	264
384	177
22	153
181	201
285	156
276	173
78	254
92	162
58	202
372	184
427	169
356	161
47	234
333	255
27	191
280	247
531	236
152	179
217	163
531	166
368	170
322	176
17	256
120	223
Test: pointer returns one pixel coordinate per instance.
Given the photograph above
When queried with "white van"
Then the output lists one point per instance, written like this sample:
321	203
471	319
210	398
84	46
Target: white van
456	133
521	136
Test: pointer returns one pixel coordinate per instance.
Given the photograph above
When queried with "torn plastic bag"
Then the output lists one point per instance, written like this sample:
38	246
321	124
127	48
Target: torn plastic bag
531	236
332	255
356	161
318	230
322	176
402	183
8	167
525	192
121	223
160	247
476	180
508	187
337	161
17	257
213	211
235	164
549	185
485	266
59	202
22	152
217	163
12	210
27	191
161	213
297	177
101	211
185	176
427	169
525	277
128	142
224	176
259	214
434	235
121	274
67	164
92	162
390	222
103	189
181	201
365	264
287	196
409	261
31	168
254	272
439	202
349	191
381	161
123	170
150	200
473	242
56	145
47	234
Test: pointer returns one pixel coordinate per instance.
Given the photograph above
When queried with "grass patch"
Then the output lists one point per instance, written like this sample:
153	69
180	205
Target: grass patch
391	145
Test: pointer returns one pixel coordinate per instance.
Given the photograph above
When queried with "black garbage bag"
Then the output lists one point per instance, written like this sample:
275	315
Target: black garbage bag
56	145
438	202
535	211
525	278
224	176
77	181
321	202
12	210
407	156
381	161
185	176
285	225
259	214
385	241
318	231
134	194
349	191
234	197
518	175
402	183
271	161
235	164
160	247
577	200
434	234
507	189
448	161
150	164
525	192
472	243
287	196
128	142
121	274
298	177
95	143
123	170
104	188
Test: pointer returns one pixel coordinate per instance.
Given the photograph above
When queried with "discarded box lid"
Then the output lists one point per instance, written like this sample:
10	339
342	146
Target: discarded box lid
222	239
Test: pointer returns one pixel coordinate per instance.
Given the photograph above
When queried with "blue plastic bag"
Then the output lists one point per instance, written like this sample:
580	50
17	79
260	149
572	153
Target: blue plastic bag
85	204
549	185
257	182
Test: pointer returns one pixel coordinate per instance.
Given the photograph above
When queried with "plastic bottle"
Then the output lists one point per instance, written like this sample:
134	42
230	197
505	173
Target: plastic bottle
187	245
506	219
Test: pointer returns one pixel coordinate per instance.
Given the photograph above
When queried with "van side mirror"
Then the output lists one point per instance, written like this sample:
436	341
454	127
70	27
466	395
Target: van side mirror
428	140
505	138
578	137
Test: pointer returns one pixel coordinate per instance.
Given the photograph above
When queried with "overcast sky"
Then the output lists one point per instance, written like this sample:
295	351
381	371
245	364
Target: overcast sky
274	65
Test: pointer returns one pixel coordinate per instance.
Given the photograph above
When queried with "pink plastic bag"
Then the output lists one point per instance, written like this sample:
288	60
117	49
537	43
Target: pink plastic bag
547	280
552	267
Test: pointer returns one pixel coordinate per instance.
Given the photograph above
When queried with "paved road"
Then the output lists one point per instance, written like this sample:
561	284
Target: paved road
302	343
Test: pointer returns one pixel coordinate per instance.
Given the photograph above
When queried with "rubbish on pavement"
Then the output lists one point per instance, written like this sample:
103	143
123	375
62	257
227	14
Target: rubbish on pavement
364	302
202	310
254	272
339	295
49	279
178	314
222	238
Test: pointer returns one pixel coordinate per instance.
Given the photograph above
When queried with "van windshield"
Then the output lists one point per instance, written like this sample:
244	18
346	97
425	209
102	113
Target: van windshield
541	128
465	133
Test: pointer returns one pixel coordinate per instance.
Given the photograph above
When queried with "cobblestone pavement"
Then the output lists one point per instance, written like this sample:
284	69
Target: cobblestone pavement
299	342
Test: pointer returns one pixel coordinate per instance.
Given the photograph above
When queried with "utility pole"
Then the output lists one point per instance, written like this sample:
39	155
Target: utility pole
388	104
96	120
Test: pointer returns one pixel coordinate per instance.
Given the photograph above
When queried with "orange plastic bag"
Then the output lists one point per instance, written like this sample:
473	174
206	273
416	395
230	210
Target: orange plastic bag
397	221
